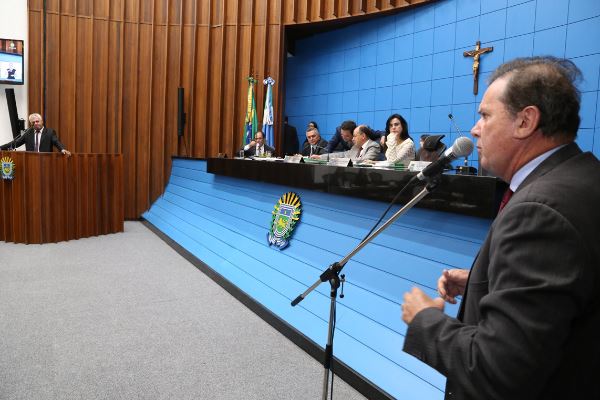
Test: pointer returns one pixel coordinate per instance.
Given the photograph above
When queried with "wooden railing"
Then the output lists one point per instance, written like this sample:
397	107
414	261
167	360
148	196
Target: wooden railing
53	198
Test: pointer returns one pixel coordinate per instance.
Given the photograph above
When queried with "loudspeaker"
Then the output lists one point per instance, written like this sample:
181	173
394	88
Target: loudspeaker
180	112
12	111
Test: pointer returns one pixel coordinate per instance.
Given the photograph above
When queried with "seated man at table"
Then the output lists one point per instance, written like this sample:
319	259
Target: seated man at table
364	147
314	144
342	139
258	147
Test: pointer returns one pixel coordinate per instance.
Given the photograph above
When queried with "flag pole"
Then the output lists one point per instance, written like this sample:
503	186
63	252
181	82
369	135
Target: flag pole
268	112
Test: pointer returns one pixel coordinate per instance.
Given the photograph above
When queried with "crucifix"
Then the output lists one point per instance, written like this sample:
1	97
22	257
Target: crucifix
475	54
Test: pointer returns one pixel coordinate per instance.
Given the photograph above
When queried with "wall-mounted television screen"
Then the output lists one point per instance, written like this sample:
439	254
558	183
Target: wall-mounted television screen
11	62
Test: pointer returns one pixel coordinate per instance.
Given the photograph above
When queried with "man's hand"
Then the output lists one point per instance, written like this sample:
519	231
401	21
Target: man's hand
66	152
452	283
415	301
315	157
252	143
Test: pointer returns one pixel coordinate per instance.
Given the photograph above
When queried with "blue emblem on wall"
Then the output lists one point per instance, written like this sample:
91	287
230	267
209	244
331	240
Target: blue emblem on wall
286	214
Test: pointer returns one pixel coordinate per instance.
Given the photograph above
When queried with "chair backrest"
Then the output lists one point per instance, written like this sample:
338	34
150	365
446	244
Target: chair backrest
432	149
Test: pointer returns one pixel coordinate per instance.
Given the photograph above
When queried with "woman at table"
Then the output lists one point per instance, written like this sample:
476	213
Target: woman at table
400	147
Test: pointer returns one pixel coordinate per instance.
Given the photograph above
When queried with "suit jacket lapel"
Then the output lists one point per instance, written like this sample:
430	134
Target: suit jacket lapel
552	162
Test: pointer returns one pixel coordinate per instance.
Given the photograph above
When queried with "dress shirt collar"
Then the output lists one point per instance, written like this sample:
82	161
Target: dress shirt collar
528	168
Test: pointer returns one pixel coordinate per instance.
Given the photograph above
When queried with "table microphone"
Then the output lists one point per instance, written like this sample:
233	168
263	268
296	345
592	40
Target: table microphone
465	169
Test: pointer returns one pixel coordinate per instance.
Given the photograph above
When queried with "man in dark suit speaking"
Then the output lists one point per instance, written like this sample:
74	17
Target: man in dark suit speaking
37	138
529	319
258	147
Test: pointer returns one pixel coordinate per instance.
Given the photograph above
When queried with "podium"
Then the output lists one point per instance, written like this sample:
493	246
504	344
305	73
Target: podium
53	198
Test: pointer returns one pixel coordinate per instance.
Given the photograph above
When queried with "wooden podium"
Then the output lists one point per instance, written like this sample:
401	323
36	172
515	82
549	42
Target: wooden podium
53	198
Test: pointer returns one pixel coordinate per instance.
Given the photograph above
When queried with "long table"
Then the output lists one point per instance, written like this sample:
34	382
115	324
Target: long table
463	194
54	198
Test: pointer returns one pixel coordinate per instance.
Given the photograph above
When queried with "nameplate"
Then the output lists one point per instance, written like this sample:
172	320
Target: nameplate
297	159
417	166
340	162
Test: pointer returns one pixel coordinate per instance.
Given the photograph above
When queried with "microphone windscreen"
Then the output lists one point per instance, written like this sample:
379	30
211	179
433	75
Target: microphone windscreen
462	147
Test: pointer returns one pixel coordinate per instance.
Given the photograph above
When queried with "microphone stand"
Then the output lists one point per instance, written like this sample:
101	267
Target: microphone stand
332	274
13	143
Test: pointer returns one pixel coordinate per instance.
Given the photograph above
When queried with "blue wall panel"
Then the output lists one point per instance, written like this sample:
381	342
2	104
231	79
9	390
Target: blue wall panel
224	222
417	47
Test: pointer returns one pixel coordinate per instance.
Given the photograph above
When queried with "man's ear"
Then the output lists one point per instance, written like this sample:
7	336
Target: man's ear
528	121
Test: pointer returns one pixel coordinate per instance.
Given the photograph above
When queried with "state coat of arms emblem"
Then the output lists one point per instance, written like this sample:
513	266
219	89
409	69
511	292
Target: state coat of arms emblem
8	168
286	214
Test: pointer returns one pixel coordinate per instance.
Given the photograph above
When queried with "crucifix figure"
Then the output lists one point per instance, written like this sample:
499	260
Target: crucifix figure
475	54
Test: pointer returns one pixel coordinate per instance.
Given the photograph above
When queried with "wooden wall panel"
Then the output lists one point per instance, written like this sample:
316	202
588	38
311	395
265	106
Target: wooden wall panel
195	12
132	10
113	68
117	10
114	98
35	62
260	12
83	91
52	6
218	12
226	139
63	113
231	13
194	47
275	12
215	83
144	106
169	135
129	121
157	114
101	9
85	8
175	8
53	84
100	76
161	9
147	11
35	5
69	7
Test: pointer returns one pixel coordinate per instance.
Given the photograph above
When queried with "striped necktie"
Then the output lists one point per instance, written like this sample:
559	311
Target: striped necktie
37	141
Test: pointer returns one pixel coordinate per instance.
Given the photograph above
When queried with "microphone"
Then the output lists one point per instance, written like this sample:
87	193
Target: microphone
465	169
13	143
317	148
324	152
451	117
462	147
